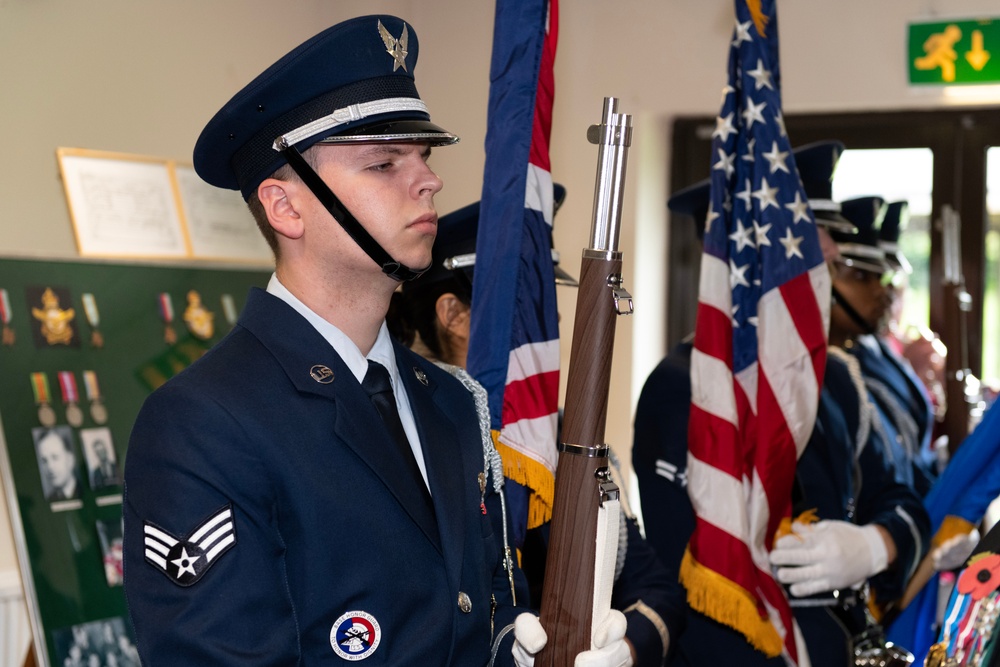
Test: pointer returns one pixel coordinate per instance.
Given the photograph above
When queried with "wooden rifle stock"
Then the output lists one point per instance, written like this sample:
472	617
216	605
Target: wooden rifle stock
582	477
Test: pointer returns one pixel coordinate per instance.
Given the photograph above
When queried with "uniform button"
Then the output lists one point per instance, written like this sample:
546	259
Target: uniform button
464	603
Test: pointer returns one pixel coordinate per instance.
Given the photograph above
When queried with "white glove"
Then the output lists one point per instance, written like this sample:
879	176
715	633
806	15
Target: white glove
954	551
828	555
529	639
611	648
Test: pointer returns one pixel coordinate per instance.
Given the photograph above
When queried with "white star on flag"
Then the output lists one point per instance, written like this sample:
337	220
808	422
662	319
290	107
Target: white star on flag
777	159
799	209
791	244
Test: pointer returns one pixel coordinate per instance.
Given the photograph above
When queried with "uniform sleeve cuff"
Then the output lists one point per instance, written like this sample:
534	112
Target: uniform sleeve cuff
647	633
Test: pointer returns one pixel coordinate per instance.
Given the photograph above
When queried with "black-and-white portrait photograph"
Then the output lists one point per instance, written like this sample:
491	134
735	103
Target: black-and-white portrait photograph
102	462
104	643
57	465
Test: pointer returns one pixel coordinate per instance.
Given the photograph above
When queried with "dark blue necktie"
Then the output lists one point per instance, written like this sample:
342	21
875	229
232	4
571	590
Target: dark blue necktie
379	388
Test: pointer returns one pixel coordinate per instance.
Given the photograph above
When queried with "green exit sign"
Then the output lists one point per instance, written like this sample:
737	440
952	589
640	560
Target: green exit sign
955	52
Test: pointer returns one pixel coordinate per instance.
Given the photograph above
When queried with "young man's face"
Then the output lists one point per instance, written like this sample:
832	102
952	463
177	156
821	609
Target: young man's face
390	190
866	293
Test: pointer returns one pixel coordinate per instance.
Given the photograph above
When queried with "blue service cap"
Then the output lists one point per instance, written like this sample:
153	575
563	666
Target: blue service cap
815	162
693	201
455	246
894	221
351	83
862	249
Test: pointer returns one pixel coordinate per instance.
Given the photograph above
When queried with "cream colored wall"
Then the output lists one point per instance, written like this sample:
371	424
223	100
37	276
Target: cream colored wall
143	77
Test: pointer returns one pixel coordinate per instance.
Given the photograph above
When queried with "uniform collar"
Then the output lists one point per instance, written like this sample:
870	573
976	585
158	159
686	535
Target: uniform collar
356	362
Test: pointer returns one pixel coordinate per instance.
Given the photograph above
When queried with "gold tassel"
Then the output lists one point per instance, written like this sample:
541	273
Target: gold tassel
759	20
528	472
950	527
728	603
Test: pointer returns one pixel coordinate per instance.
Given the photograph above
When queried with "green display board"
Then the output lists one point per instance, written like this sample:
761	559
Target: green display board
83	345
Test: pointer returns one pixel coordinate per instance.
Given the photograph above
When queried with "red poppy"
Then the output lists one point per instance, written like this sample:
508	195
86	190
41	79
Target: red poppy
981	578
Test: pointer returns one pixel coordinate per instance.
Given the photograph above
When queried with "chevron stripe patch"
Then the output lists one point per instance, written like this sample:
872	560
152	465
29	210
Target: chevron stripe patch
185	560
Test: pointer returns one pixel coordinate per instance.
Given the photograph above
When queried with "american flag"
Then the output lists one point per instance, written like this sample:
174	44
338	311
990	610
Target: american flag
759	349
514	342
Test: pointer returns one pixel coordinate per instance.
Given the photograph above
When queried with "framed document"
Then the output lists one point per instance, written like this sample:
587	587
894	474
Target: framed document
219	224
122	205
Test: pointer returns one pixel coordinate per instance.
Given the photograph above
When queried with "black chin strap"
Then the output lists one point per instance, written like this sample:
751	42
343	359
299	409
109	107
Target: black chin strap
354	229
838	299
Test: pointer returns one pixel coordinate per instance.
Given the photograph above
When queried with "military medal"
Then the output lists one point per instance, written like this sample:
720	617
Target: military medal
97	409
229	309
70	396
198	318
40	385
56	323
94	319
5	314
167	314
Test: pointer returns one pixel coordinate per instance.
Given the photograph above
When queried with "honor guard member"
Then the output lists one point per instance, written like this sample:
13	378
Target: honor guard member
434	319
309	492
862	283
870	527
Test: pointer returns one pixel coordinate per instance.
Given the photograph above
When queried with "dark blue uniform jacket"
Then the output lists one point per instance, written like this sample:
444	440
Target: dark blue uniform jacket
906	411
832	476
326	529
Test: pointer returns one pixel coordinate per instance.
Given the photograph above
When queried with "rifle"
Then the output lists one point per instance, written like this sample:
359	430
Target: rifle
575	586
962	388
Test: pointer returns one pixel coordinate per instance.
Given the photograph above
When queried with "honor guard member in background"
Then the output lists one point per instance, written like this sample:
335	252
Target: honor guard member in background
434	319
869	528
920	346
862	296
309	492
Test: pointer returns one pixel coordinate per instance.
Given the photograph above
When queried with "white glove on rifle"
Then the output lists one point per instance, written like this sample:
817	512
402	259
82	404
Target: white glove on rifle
828	555
954	551
611	649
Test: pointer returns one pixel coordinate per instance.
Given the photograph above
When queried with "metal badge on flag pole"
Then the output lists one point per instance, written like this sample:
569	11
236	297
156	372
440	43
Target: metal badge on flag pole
97	409
167	315
40	387
70	396
5	315
94	319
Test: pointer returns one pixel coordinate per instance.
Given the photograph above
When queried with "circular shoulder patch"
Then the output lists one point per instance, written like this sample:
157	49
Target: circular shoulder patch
355	635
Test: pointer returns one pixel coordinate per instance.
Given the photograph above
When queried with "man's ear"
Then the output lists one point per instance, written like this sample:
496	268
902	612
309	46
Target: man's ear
452	315
275	197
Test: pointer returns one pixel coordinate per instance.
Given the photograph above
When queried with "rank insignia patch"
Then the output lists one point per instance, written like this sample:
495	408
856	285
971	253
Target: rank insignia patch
185	560
355	635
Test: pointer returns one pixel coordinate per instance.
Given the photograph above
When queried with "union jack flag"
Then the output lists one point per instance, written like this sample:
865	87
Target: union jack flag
759	349
514	342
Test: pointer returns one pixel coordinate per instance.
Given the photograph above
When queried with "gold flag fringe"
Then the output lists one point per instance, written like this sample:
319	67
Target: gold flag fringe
528	472
728	603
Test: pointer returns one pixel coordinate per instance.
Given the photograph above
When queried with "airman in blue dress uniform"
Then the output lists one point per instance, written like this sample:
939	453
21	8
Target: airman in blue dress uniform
842	474
281	506
861	301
